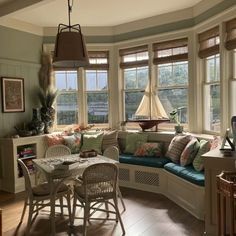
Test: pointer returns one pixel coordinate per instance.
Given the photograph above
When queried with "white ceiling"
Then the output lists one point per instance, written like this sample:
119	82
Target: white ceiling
49	13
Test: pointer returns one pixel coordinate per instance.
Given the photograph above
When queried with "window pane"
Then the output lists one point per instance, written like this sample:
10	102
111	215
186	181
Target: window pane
212	68
130	78
102	80
60	80
212	107
173	74
132	101
165	74
71	81
97	108
142	56
91	78
142	77
131	57
175	99
67	109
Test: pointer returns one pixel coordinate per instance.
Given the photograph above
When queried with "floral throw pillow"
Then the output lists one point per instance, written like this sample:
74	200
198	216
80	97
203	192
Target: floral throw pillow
198	160
55	139
176	147
73	142
132	141
149	150
189	152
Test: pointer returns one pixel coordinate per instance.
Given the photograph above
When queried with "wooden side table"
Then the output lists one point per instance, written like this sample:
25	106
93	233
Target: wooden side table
226	189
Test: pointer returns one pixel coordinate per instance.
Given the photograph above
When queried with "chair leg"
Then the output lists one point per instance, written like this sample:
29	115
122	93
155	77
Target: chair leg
107	209
69	208
86	216
31	209
74	209
24	209
218	214
61	205
118	215
121	198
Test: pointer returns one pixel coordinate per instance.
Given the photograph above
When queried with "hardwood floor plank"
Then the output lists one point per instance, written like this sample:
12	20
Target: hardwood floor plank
147	214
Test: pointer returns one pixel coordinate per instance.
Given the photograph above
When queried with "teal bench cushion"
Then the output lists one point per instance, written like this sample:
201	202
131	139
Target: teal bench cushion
186	172
144	161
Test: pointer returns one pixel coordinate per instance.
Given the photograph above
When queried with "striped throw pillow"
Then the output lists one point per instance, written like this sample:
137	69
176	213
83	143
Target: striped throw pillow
109	139
92	141
198	160
176	147
189	152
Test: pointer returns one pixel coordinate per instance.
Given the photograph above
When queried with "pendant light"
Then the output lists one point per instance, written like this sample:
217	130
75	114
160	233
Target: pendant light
70	49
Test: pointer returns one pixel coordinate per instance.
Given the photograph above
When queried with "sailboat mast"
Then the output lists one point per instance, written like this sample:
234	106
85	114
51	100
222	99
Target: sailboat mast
150	81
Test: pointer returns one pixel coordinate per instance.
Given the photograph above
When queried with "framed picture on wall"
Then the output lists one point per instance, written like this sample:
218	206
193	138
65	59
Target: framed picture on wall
13	98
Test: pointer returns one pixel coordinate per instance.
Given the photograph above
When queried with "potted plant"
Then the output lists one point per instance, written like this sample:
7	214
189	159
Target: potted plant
175	117
123	125
47	99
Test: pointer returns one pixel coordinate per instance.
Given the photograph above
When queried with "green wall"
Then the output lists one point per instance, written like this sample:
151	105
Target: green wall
19	57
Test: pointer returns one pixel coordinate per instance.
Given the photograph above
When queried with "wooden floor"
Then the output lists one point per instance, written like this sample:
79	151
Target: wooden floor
147	214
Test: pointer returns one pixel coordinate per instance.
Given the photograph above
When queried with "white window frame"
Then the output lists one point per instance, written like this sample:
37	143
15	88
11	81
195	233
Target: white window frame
206	99
61	127
97	125
170	126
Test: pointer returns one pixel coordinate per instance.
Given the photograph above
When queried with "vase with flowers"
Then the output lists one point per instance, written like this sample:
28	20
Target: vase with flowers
174	116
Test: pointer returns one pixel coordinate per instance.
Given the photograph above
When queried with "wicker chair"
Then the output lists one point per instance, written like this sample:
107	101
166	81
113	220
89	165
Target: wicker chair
52	151
113	153
99	186
57	151
38	197
226	189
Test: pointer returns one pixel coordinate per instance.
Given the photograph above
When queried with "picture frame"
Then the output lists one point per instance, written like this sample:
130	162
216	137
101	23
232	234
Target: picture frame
13	97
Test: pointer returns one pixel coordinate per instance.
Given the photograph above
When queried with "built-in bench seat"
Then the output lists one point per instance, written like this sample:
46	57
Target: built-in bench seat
186	172
183	185
144	161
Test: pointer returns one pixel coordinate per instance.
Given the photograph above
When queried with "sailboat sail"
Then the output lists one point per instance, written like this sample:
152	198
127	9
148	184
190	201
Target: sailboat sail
150	106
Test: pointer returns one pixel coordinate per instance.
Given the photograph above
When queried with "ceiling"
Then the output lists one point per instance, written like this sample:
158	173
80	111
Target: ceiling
49	13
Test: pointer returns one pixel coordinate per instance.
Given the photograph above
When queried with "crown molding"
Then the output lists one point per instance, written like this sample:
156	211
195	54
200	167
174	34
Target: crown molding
21	26
173	21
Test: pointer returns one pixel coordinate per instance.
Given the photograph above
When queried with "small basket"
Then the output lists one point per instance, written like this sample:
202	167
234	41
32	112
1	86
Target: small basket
88	153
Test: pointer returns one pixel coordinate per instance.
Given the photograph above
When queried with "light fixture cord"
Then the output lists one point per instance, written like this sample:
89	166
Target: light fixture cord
70	5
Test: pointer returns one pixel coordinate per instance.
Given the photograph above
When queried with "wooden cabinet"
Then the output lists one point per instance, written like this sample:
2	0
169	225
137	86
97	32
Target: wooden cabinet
25	148
215	162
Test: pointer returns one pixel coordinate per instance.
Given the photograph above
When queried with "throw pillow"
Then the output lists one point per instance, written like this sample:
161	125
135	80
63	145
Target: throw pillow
55	139
92	141
132	141
189	152
176	147
73	142
198	160
149	150
109	139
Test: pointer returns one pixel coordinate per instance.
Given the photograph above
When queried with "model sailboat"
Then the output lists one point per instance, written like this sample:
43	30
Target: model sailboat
151	109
